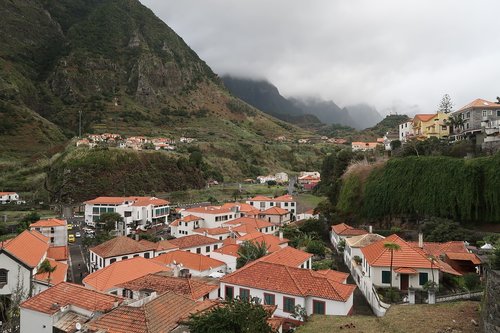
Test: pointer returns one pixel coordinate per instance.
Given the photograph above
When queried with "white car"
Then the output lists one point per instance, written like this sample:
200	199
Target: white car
78	235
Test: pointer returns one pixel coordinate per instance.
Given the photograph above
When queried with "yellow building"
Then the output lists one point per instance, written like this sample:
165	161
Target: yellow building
431	125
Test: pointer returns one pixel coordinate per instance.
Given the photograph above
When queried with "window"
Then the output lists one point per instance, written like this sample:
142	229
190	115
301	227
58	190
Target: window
229	292
146	255
52	239
128	214
423	278
198	250
3	276
485	113
319	307
112	260
386	277
251	203
467	115
244	294
269	299
52	230
498	113
95	210
126	257
217	246
262	205
207	248
289	304
292	204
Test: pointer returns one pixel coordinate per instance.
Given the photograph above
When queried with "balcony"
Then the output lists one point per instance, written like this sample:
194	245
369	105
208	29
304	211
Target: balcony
491	139
491	131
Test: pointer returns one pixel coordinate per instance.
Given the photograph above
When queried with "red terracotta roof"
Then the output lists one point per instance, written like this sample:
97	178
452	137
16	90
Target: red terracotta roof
260	198
6	193
273	243
189	260
343	229
160	283
120	245
146	201
229	250
122	271
57	276
107	200
58	253
48	223
251	221
209	210
162	314
287	256
330	274
437	249
28	247
274	211
285	198
243	207
289	280
137	201
193	241
377	255
464	257
66	293
424	117
480	103
212	231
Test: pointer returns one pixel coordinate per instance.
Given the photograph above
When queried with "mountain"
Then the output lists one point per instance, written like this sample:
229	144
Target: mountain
266	97
326	111
363	115
124	71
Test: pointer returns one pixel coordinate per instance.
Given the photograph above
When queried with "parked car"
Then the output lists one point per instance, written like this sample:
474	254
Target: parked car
70	226
71	238
78	235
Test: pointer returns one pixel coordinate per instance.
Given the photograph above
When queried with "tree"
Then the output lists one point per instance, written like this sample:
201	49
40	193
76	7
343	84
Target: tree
46	267
455	121
446	105
27	220
234	316
108	221
250	251
316	247
395	144
391	246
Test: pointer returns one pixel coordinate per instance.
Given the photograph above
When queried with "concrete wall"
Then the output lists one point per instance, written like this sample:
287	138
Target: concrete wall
490	308
17	276
34	321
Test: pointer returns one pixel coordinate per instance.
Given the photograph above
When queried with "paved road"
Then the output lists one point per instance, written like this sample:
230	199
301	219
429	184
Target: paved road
78	269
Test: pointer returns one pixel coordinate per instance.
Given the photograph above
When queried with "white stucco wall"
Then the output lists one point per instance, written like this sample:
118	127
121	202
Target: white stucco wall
228	259
34	321
413	280
17	276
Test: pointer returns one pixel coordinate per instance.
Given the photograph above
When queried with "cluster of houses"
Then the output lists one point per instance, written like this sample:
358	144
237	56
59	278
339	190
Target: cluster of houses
478	121
315	139
414	264
133	142
306	179
141	284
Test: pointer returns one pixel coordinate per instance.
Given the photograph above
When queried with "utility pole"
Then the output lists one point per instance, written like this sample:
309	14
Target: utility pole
80	124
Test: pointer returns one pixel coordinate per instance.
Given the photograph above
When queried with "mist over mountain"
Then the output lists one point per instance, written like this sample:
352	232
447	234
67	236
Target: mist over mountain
363	115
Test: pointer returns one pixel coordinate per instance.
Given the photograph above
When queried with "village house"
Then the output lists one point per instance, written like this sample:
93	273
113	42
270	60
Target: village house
340	232
308	214
54	229
157	313
213	216
215	233
185	225
481	120
228	254
289	256
118	249
135	211
284	202
265	179
292	288
144	286
197	244
108	278
365	146
62	307
246	225
188	264
431	125
406	131
276	215
8	197
20	259
272	242
354	244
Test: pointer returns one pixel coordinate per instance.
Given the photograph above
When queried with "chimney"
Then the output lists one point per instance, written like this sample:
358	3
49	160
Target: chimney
370	229
136	236
281	235
176	271
420	240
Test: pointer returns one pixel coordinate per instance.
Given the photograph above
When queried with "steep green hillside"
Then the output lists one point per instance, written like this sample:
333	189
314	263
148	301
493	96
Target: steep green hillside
463	190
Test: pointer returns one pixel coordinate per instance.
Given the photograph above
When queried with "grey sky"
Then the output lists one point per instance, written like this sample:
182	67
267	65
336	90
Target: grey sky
386	53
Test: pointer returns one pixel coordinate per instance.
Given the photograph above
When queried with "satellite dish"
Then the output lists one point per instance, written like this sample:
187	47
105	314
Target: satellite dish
78	326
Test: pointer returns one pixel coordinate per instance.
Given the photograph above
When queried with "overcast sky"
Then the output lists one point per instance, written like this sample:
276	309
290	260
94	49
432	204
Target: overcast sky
385	53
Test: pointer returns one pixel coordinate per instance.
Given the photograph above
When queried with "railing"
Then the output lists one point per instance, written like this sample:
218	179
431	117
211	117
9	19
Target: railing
454	297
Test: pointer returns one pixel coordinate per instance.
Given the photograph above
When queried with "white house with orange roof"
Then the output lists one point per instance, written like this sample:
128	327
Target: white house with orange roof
308	214
245	225
227	254
136	211
197	244
276	215
406	131
185	225
412	268
354	244
273	243
188	264
20	258
286	202
63	306
290	256
213	216
118	249
108	278
260	279
364	146
220	233
8	197
341	231
55	230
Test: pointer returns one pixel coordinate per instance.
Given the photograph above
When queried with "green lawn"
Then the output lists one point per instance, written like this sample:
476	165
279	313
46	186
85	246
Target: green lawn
445	317
14	216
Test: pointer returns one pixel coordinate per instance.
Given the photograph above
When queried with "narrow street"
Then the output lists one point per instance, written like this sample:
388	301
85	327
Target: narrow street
78	268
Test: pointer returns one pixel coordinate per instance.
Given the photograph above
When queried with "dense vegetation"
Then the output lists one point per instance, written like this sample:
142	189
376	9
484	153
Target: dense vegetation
463	190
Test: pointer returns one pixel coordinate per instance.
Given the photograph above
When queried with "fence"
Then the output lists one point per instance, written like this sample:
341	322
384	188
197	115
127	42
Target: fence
454	297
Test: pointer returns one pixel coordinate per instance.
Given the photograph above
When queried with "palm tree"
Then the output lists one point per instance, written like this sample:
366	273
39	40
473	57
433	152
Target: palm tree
46	267
454	122
391	246
250	251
